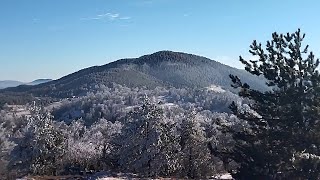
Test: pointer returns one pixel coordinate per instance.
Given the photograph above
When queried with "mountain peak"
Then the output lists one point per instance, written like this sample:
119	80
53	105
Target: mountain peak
169	56
166	52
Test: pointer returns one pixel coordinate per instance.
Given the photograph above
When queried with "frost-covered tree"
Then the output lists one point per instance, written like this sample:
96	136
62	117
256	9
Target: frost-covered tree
195	158
114	103
221	143
89	148
5	147
41	147
103	132
148	143
81	155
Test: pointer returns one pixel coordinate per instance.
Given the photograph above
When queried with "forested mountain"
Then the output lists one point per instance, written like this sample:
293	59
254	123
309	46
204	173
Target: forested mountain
164	68
8	83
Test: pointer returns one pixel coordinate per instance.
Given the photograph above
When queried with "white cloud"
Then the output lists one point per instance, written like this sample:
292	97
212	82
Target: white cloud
111	16
125	18
108	16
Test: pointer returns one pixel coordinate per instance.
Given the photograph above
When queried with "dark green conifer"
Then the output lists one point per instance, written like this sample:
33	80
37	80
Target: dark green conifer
283	121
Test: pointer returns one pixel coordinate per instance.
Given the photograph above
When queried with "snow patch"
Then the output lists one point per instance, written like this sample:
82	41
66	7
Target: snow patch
215	88
223	177
53	105
169	105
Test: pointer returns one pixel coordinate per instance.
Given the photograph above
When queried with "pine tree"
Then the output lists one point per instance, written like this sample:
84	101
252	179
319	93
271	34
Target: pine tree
284	120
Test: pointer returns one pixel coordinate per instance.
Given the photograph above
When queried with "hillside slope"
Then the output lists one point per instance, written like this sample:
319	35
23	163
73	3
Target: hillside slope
164	68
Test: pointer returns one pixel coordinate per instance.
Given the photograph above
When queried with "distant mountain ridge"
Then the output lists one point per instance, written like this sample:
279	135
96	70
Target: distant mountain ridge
38	81
163	68
9	83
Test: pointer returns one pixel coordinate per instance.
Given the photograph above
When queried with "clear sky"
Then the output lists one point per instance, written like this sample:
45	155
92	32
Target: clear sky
52	38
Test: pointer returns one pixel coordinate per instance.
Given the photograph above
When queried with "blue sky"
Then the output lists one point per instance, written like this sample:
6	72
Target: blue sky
52	38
